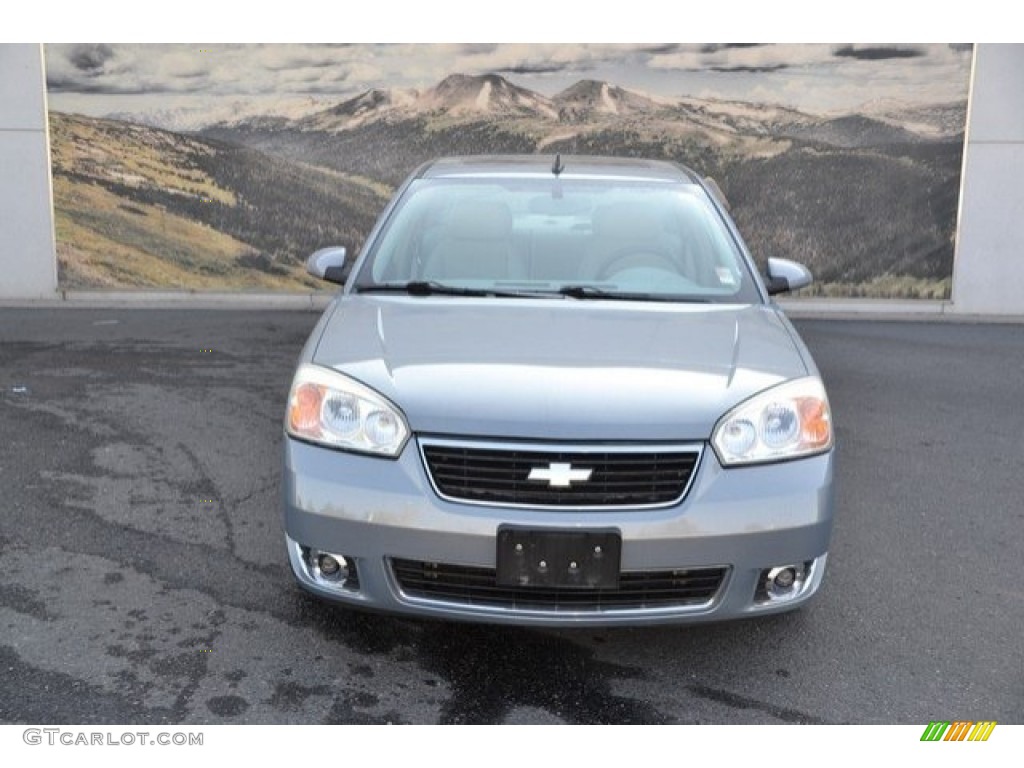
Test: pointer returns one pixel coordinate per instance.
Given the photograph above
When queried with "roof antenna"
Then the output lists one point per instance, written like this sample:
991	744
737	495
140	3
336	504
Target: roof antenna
557	168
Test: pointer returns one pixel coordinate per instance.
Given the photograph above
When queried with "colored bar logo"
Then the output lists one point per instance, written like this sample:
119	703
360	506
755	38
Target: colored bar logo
958	730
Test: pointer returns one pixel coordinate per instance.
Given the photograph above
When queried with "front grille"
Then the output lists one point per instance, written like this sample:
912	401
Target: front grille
619	477
477	586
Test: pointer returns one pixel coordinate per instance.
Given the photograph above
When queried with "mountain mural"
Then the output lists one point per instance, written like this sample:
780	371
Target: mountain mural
867	199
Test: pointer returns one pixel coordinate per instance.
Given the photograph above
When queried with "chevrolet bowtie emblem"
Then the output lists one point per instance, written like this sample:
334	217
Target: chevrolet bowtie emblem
560	475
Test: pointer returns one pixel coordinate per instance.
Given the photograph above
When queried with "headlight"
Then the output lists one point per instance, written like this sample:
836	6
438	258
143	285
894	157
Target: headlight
331	409
784	422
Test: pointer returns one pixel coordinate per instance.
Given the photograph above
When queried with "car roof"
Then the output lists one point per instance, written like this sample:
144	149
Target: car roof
573	166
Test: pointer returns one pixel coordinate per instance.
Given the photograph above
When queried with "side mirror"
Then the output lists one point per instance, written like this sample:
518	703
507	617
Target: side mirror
330	264
785	275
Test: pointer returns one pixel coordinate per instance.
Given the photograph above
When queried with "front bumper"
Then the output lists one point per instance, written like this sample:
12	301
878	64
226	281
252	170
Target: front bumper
375	511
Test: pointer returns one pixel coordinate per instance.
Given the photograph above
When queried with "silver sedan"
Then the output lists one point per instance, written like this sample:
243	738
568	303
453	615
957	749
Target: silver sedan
555	391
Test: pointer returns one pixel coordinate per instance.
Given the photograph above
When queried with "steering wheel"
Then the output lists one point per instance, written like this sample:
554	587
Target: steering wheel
631	258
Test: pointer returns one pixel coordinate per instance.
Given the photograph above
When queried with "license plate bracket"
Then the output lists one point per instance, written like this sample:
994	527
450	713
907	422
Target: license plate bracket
564	559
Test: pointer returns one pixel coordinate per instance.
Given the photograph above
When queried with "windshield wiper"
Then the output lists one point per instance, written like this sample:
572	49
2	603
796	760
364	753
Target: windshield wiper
593	292
420	288
432	287
435	288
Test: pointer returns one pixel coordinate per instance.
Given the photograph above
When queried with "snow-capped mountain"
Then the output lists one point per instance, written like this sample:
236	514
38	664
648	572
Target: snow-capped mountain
590	98
364	108
484	95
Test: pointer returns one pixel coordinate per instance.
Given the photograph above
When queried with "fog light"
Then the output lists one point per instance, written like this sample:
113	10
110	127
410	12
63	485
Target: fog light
329	568
328	565
784	577
782	582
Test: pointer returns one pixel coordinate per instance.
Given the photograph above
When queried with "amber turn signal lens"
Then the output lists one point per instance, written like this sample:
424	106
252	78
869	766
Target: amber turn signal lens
304	412
816	422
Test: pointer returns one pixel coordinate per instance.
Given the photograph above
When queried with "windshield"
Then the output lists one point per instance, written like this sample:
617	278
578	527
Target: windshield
579	238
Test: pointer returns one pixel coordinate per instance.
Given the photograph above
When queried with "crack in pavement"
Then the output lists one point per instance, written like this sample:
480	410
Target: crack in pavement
207	487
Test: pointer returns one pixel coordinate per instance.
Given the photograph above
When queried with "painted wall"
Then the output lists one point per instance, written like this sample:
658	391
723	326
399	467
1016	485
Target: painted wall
28	266
988	275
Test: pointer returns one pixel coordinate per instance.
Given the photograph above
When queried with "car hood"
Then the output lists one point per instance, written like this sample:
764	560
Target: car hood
559	369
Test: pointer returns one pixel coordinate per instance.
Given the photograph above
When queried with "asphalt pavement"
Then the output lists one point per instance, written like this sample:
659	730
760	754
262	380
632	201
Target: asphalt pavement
143	576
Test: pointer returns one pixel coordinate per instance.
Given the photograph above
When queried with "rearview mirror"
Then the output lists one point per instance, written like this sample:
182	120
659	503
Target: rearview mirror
785	275
330	264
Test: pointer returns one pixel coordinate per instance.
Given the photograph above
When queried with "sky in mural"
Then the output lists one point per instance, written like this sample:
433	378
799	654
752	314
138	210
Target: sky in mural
100	79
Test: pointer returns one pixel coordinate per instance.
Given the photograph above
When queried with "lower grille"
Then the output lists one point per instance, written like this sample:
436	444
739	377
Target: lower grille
521	475
477	586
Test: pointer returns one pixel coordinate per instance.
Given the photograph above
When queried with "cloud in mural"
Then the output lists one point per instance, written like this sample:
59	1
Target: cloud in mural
91	57
877	53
